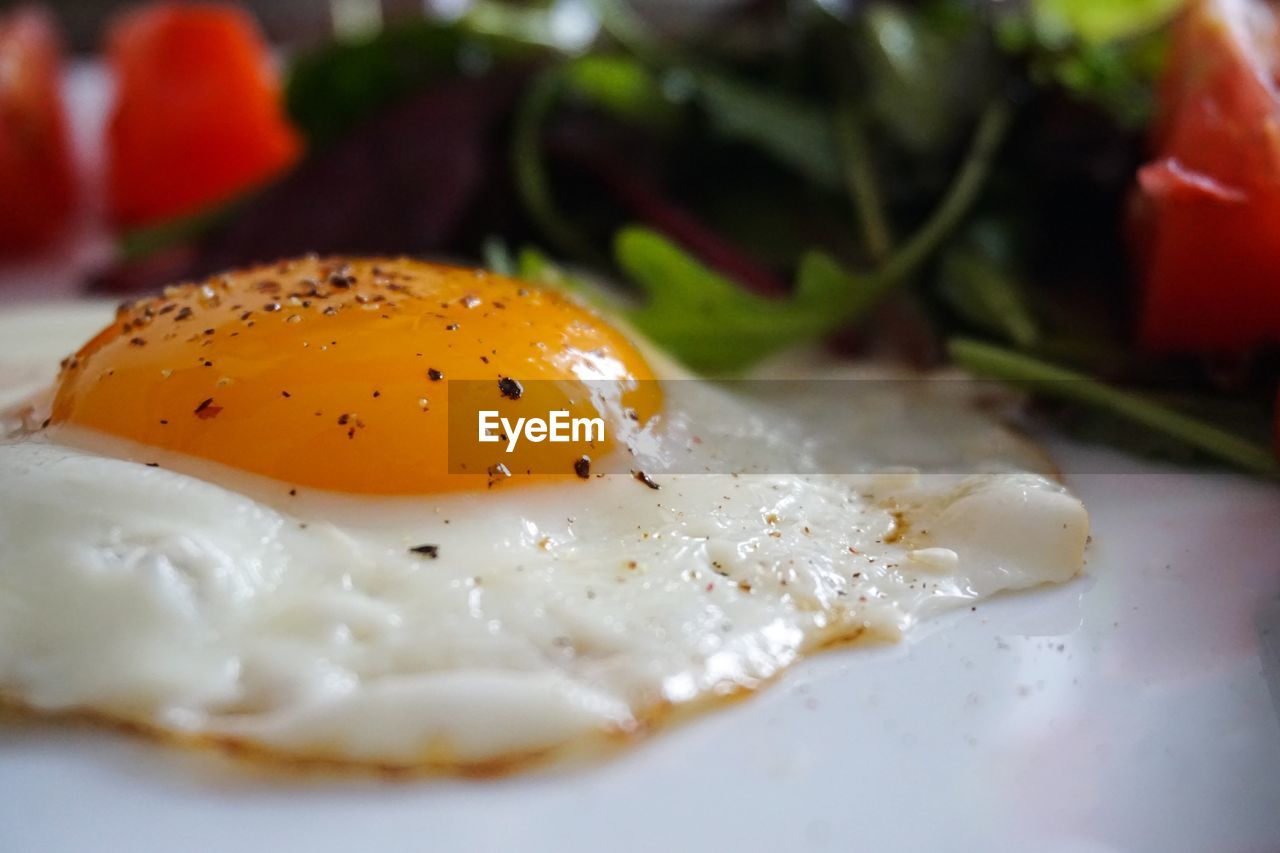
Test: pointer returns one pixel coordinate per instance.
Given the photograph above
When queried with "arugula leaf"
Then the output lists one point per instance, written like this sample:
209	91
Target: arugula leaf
797	134
615	84
861	184
531	178
981	292
957	201
1046	380
976	279
712	324
533	265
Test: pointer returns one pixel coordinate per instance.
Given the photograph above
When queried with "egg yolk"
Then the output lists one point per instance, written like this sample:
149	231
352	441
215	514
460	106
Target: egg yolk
333	374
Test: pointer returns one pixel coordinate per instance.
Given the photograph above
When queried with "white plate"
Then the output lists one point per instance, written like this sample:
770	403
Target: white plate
1125	711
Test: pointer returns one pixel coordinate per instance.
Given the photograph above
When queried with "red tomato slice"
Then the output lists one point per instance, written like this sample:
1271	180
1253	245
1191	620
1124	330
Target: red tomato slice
1208	210
37	181
198	115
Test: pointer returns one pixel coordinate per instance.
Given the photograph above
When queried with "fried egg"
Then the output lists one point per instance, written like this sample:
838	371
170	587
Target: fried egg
239	516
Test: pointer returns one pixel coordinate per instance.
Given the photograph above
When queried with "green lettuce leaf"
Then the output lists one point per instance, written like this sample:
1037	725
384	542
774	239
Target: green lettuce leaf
711	323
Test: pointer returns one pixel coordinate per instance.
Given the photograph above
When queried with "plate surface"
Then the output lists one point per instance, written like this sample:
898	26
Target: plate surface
1126	711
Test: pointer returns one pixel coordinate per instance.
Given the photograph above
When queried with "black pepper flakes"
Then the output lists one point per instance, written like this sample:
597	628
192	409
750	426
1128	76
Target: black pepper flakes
582	467
646	479
137	342
206	409
429	551
510	388
184	314
434	375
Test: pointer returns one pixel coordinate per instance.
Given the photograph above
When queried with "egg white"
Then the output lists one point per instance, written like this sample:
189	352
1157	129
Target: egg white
550	617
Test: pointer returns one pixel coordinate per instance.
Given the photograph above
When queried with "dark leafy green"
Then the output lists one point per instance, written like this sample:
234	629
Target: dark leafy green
1102	52
927	70
980	281
334	89
800	135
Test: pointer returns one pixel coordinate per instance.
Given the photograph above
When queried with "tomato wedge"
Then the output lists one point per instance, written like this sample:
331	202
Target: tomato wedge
1208	207
198	116
37	179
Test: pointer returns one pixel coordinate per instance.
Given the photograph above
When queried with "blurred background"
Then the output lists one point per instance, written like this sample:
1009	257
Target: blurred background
293	22
304	22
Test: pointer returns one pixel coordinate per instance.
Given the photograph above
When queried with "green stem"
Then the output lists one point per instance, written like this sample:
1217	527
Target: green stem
860	180
530	172
956	202
1048	380
959	198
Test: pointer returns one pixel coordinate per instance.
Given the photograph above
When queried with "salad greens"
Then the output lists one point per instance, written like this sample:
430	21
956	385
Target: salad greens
709	321
771	174
1045	379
